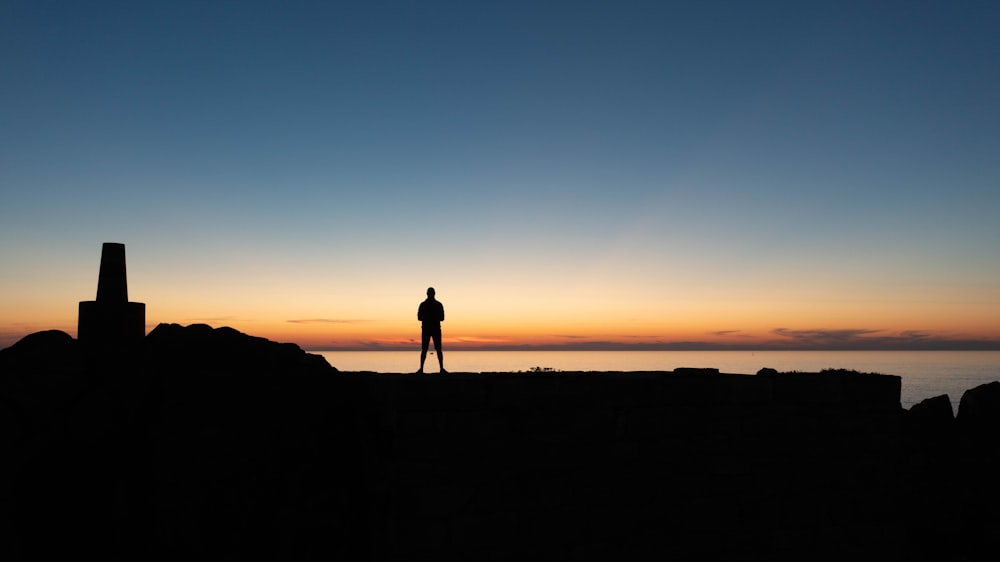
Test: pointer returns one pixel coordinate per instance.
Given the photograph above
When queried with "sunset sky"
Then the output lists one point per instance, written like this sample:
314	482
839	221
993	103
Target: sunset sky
571	173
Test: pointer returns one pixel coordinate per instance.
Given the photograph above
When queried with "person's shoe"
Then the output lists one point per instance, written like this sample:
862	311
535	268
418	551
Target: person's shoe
420	371
442	370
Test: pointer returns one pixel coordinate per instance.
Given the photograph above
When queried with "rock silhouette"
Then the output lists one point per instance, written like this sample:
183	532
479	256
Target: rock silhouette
203	349
190	437
219	445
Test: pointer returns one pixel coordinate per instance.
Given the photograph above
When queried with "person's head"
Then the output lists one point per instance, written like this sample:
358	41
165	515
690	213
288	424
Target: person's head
430	292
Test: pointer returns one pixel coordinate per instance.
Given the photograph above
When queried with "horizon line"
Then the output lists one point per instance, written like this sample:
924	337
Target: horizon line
955	345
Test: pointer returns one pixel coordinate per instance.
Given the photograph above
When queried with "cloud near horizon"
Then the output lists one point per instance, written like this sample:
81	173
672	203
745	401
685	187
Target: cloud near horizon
327	321
214	320
873	338
367	345
476	340
723	333
821	335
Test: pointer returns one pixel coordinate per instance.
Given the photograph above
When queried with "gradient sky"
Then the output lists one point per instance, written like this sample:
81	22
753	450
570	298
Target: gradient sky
812	174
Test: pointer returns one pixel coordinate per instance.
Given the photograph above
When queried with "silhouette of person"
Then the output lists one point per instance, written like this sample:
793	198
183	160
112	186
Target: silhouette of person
431	314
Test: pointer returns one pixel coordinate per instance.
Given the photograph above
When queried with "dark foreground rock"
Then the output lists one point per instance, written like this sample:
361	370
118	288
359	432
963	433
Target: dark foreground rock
208	444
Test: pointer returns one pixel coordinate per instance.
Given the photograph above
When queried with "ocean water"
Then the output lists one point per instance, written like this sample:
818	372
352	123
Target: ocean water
924	374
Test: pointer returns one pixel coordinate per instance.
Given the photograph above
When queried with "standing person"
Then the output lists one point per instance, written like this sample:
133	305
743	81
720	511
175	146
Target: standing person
431	314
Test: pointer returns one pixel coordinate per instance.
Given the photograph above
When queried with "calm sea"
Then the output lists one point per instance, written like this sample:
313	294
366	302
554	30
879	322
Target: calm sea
924	373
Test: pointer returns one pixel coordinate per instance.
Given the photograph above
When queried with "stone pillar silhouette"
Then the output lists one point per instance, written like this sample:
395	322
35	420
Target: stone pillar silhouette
111	319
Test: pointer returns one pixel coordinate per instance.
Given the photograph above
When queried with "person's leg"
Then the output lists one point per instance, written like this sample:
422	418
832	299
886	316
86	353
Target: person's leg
437	348
425	339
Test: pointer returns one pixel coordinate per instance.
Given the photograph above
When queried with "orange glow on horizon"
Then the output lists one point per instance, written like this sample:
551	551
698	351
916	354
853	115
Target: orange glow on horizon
320	334
375	317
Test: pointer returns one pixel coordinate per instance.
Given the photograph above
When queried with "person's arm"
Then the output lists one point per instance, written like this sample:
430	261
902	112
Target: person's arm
442	313
420	312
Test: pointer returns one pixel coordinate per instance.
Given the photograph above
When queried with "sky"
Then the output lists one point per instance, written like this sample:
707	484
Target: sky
566	174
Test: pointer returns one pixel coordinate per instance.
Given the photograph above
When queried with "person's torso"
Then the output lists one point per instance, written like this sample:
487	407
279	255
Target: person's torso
431	312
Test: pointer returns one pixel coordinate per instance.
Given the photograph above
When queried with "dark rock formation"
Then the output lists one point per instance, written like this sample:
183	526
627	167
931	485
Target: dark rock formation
51	351
930	456
933	412
211	444
165	455
978	424
637	466
199	348
980	407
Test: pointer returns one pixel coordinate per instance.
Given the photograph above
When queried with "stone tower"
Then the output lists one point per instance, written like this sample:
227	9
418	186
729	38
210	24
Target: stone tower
111	319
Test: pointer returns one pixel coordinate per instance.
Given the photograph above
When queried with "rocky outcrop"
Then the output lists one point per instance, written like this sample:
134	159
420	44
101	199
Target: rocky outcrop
978	425
210	444
980	408
225	351
934	411
638	466
51	351
142	453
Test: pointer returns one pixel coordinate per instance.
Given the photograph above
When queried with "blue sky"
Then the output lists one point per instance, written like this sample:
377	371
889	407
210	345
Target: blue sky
664	171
